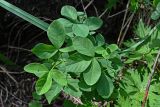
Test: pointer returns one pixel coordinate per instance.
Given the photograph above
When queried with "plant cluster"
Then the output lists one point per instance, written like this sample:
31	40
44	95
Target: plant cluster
82	65
79	63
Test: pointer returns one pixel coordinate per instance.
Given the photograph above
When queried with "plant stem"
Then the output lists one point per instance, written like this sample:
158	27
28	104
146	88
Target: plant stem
124	19
150	78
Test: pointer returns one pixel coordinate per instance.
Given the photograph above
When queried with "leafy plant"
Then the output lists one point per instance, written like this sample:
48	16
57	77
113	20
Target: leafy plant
36	101
77	60
156	14
134	5
80	64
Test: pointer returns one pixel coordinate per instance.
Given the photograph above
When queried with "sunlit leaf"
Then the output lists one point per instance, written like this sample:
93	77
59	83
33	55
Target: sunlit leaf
93	23
44	51
81	30
83	46
92	74
53	92
59	77
78	66
36	68
69	12
56	33
44	83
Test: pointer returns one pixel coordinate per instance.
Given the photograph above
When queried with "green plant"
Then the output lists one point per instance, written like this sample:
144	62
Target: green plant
36	101
156	14
78	60
80	64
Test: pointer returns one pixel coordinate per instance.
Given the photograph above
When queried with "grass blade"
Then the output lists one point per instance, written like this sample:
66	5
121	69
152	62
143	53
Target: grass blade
24	15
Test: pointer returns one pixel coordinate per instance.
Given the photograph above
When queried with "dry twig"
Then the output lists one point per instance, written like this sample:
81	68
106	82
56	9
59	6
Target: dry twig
4	70
88	4
123	23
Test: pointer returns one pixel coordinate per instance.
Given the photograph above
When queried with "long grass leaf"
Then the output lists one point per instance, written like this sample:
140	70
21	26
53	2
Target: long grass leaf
26	16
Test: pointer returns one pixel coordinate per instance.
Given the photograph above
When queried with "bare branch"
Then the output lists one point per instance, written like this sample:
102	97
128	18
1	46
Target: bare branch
124	19
88	4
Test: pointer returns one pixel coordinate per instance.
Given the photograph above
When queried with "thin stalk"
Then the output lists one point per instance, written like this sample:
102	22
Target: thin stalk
150	79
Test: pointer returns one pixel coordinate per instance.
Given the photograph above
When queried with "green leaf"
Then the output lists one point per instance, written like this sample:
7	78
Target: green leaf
72	88
24	15
94	23
77	57
155	2
36	68
108	65
155	15
35	104
81	30
69	32
124	102
44	51
100	50
69	12
44	84
158	7
36	96
92	74
65	22
134	5
78	66
56	33
59	77
81	16
142	30
53	92
113	47
84	87
133	58
100	40
105	86
67	49
84	46
68	26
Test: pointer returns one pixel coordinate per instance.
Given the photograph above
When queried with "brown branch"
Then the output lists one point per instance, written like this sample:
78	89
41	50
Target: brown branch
2	105
113	15
4	70
124	19
150	78
85	8
104	12
127	27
